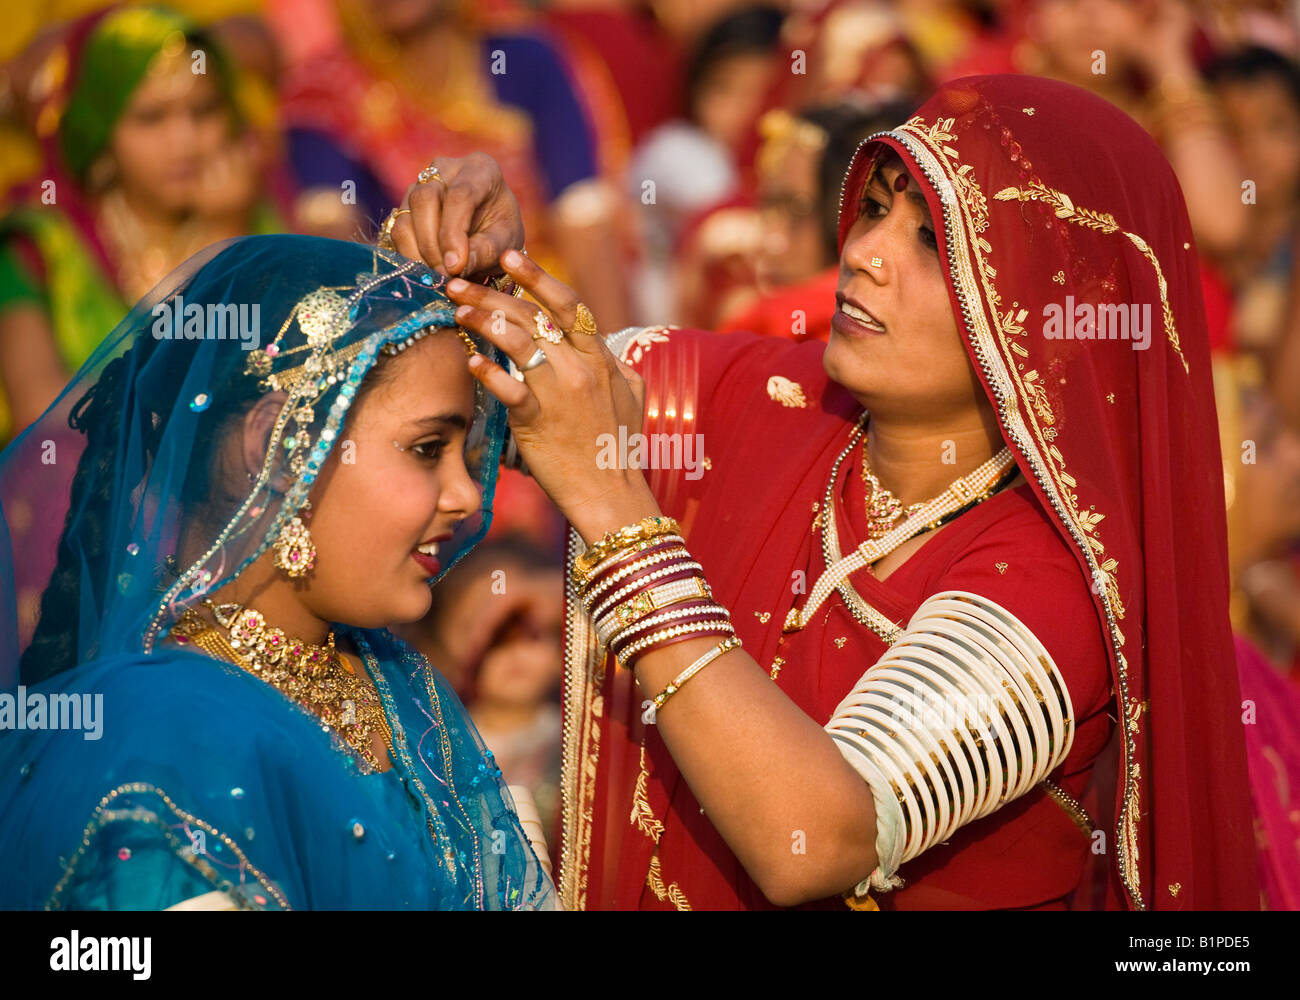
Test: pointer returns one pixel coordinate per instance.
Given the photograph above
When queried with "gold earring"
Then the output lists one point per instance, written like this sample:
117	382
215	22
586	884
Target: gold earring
295	553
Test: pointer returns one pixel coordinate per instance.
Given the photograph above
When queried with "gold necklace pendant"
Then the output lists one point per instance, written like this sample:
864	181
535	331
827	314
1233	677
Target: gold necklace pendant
883	508
316	677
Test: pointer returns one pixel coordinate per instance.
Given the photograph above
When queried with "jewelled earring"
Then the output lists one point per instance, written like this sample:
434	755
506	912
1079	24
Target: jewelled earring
295	552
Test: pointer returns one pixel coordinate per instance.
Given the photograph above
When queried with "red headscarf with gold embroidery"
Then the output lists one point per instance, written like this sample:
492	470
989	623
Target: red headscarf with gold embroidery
1047	196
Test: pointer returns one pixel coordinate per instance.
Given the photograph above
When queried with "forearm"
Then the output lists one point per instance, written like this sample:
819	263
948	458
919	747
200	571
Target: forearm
769	777
31	372
1189	125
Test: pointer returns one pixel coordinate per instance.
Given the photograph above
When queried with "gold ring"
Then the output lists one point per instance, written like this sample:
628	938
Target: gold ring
546	330
431	173
584	321
386	232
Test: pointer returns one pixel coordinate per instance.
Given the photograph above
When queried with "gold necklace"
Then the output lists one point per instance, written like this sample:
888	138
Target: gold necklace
316	677
883	508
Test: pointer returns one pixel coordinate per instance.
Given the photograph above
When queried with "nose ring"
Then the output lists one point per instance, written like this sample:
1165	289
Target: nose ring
877	262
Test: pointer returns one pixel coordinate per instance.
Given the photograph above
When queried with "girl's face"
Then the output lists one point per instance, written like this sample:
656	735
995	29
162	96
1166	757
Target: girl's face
395	481
894	342
174	125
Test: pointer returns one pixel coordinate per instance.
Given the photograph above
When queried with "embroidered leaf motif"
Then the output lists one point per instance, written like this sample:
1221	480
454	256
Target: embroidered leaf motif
635	348
786	392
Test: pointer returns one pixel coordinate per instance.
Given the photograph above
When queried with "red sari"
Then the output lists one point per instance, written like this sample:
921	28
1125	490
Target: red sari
1113	555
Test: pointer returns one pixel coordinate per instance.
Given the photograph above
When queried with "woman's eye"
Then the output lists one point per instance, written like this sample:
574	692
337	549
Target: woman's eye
928	238
872	208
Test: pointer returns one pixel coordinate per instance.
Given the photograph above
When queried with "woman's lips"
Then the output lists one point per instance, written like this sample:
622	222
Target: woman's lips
845	325
429	564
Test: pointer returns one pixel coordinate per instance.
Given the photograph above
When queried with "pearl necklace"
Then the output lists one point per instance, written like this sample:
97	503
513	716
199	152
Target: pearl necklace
960	495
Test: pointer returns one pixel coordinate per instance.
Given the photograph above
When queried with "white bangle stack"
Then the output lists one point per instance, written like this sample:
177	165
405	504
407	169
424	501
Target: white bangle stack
965	712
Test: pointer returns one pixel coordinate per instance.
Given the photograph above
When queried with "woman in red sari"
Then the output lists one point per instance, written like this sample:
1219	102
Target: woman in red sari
1063	585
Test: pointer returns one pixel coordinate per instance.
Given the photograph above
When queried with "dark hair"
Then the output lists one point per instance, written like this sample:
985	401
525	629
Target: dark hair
749	30
1255	63
145	381
846	123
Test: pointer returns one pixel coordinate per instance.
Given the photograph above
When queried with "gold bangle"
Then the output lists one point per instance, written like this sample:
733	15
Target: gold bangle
675	685
625	537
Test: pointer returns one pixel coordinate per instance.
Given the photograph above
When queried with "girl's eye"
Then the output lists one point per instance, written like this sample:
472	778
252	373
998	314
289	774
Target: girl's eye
431	450
929	239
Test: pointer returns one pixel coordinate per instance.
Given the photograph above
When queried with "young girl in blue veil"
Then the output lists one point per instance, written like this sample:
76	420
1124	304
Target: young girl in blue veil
267	462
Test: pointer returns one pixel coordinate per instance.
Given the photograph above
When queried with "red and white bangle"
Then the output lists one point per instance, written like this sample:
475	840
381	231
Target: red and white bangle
648	600
675	633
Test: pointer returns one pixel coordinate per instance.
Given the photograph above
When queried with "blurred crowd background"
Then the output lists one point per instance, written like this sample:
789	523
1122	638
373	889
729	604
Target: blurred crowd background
677	162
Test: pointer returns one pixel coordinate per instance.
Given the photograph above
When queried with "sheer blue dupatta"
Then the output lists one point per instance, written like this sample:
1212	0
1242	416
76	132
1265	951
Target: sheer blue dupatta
138	774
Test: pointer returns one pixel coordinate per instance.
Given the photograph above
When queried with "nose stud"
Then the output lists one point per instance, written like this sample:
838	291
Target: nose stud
877	262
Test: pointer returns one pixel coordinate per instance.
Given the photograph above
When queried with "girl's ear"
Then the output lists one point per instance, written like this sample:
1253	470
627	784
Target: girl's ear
259	422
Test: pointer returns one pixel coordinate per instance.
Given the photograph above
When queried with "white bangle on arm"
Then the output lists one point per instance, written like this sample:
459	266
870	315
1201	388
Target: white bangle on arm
965	712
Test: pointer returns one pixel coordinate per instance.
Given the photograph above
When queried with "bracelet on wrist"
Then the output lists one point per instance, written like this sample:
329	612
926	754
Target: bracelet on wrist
675	685
646	529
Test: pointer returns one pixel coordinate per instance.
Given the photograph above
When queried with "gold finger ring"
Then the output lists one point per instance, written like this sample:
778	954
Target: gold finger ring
584	321
546	330
432	173
386	231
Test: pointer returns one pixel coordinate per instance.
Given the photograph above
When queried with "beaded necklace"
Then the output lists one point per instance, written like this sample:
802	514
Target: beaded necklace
960	496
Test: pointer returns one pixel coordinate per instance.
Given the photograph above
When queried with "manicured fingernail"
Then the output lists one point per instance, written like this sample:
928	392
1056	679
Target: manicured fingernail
463	311
451	258
512	258
476	361
457	285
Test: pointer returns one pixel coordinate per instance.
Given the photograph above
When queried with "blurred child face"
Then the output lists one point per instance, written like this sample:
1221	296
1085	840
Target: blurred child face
174	125
1069	31
1265	123
791	249
524	664
730	95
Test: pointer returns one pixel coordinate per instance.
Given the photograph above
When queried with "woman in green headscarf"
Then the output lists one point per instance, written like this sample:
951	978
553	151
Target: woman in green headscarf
145	165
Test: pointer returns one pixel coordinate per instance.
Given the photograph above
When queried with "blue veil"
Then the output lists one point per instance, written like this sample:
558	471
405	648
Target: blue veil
136	773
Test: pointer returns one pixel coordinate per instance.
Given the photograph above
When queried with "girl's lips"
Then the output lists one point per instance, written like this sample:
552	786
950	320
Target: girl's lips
429	564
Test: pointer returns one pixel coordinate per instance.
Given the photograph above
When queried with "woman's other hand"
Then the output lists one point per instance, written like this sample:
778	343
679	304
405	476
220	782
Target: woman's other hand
464	225
566	415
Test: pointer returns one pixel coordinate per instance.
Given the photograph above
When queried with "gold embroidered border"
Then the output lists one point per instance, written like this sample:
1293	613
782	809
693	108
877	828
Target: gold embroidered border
583	707
103	816
963	213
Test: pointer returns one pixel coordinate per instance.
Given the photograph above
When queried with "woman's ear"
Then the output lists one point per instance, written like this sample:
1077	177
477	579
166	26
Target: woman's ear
258	424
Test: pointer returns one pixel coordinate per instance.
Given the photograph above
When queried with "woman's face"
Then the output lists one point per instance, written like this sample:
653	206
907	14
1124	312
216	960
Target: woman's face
394	481
906	359
174	125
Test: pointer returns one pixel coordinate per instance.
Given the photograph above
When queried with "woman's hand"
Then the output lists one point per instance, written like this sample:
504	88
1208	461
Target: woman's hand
566	414
464	226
